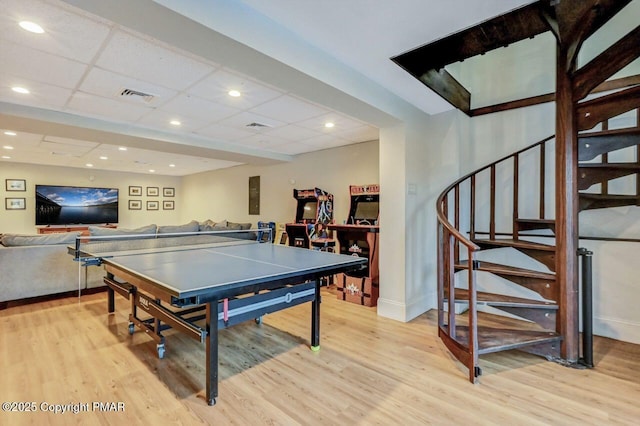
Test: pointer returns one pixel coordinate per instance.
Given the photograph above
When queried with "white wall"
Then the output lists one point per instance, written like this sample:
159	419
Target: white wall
23	221
224	194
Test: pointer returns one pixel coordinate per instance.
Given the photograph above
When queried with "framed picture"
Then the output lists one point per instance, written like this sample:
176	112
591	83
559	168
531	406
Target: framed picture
168	192
153	191
168	205
15	184
135	191
135	204
153	205
15	203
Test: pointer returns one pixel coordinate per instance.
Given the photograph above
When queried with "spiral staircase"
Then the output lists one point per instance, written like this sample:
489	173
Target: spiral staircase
510	280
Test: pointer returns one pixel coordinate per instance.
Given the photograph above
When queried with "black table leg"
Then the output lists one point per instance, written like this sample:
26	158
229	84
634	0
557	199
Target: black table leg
111	302
212	352
315	319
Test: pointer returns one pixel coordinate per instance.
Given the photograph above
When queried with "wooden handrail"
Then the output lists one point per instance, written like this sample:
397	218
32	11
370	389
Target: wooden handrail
440	203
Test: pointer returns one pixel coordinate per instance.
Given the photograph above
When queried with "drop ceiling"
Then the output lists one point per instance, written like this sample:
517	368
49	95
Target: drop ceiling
97	85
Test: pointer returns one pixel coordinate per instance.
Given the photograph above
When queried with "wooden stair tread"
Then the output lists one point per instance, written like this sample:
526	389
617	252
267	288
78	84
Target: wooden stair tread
521	244
502	339
541	221
628	166
608	196
493	299
497	268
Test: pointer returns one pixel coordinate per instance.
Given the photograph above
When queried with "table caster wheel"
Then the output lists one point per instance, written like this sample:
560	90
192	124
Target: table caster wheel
131	328
259	320
160	348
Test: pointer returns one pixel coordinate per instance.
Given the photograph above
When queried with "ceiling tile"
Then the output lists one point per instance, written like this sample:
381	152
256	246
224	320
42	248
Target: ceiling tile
339	121
291	132
110	85
160	119
41	96
66	33
65	149
245	118
28	63
86	104
216	86
262	141
21	139
359	134
292	148
224	133
144	60
196	107
289	109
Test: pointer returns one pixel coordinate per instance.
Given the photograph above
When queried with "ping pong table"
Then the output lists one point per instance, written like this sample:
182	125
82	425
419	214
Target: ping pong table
222	283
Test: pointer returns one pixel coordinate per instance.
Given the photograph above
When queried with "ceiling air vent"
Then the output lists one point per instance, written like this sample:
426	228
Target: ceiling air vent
257	125
134	94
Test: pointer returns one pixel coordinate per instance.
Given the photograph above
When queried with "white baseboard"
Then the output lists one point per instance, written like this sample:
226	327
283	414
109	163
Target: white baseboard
613	328
406	312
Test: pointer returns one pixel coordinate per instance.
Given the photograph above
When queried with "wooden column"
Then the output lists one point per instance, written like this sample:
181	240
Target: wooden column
567	205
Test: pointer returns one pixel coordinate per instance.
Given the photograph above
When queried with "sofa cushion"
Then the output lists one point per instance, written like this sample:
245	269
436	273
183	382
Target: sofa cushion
243	226
220	225
206	225
192	226
12	240
100	231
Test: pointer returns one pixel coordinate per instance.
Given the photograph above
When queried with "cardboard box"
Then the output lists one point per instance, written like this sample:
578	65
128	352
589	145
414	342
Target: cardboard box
360	290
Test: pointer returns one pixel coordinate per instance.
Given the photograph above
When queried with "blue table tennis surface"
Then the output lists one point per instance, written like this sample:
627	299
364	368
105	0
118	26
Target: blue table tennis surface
184	271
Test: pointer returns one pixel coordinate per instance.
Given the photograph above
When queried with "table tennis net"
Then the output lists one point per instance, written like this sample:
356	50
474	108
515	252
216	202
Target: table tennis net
90	246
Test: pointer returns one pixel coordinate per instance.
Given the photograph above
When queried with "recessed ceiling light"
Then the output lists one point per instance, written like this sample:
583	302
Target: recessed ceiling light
172	165
152	171
9	133
123	148
19	89
234	93
104	157
7	147
31	27
89	165
175	123
329	125
6	157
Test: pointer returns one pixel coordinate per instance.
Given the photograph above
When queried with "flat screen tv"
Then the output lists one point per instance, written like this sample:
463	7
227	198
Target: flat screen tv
66	205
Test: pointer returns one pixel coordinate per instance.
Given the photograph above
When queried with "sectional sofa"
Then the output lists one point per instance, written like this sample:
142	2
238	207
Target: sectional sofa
33	266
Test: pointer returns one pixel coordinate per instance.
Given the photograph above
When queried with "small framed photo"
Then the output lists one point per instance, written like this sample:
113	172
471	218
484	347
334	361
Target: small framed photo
135	204
169	192
153	191
135	191
153	205
15	203
15	184
168	205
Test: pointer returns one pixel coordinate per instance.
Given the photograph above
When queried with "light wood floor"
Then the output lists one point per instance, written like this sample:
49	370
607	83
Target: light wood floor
370	370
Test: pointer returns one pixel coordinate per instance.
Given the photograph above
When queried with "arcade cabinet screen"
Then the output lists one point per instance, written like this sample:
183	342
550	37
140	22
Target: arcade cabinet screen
309	210
367	210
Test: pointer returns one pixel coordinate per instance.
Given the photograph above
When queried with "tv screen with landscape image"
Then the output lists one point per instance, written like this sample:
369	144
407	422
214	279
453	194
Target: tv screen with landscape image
65	205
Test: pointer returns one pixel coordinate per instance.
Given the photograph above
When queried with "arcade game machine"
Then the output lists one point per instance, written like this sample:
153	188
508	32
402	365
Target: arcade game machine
359	237
313	213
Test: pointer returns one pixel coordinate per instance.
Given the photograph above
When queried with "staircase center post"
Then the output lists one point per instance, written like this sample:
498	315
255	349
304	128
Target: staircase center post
567	204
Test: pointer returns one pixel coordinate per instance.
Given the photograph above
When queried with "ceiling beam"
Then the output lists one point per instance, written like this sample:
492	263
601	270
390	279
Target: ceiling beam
55	123
612	60
449	88
520	24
